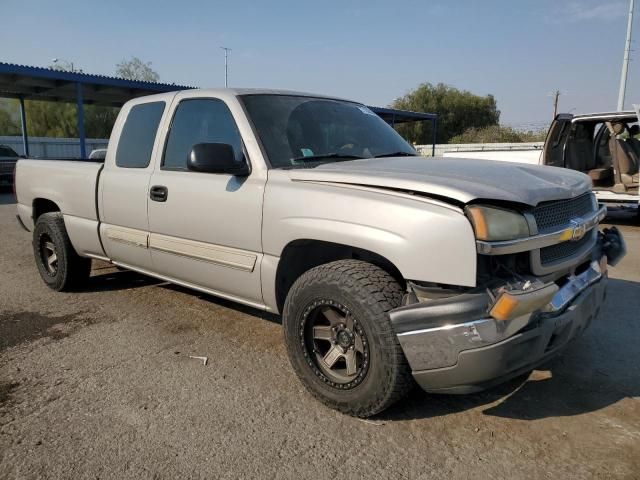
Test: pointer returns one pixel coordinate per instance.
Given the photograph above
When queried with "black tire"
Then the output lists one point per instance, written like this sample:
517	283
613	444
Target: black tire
364	293
69	270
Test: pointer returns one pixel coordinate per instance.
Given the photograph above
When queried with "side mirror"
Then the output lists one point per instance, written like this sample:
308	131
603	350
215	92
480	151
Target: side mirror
216	158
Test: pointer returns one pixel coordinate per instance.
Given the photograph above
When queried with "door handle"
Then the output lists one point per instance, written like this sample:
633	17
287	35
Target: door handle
158	193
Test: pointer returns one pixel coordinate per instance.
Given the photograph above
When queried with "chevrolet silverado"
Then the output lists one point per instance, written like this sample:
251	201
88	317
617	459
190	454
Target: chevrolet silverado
388	269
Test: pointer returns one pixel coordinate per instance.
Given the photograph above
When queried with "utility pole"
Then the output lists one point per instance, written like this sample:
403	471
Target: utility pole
226	65
625	62
556	96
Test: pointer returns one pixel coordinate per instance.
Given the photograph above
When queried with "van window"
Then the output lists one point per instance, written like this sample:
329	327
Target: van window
201	120
138	135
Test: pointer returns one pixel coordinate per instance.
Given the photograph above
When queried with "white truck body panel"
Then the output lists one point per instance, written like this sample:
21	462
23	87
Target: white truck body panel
530	157
380	221
69	184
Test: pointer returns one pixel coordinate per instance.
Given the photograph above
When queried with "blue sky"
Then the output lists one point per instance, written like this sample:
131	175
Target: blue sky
371	51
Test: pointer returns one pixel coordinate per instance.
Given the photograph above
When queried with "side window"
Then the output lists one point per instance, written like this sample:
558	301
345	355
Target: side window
199	121
138	134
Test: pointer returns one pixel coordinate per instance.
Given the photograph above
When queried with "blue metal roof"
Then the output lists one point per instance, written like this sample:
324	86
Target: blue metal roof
392	115
57	85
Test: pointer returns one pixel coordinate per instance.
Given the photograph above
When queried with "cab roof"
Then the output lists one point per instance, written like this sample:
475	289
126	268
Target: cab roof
629	116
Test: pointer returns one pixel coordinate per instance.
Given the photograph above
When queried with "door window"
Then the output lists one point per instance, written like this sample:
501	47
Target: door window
199	121
138	135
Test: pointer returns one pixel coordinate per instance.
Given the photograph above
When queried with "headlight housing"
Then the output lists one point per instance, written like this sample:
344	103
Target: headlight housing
494	224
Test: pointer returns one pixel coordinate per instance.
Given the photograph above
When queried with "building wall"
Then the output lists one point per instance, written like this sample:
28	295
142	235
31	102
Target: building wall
44	147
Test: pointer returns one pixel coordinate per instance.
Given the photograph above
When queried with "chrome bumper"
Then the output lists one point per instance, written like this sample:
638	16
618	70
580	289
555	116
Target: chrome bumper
480	368
440	346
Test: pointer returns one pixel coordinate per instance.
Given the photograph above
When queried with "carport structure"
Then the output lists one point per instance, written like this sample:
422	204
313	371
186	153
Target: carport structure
37	83
394	117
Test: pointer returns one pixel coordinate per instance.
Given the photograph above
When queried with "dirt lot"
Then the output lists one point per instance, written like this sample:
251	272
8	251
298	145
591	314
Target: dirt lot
99	384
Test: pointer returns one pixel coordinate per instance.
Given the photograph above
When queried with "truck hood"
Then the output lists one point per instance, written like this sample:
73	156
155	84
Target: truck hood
459	179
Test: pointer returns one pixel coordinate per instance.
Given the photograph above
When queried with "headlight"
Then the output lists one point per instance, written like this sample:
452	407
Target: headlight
493	223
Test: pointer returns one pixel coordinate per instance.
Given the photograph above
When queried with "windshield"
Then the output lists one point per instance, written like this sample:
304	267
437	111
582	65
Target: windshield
299	131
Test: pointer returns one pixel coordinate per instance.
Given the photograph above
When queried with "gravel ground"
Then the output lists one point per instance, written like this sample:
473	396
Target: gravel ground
99	384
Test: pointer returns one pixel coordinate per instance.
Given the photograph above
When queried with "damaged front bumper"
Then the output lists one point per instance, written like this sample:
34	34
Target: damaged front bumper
457	344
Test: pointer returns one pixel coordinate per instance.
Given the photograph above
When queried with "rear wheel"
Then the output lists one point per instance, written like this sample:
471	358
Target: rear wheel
59	265
340	340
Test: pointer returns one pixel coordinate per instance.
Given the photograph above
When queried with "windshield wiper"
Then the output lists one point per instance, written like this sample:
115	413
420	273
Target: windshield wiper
324	156
395	154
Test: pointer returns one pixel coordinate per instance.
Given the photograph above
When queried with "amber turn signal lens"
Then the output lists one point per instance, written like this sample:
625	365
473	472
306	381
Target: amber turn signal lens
504	307
516	303
479	223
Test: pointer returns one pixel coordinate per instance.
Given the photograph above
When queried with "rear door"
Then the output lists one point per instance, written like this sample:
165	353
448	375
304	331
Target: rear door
554	145
124	183
205	230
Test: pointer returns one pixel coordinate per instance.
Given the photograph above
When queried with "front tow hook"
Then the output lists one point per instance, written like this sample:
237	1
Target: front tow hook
613	245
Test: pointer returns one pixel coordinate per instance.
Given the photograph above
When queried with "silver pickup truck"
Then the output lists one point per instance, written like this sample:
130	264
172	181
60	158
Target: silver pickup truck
388	268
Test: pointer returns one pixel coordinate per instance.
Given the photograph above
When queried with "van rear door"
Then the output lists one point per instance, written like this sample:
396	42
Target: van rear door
554	145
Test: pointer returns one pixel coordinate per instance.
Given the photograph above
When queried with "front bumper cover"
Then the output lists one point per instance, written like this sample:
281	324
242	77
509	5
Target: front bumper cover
454	346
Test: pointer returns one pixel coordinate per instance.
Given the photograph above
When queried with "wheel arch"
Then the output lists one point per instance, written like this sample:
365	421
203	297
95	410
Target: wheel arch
40	206
301	255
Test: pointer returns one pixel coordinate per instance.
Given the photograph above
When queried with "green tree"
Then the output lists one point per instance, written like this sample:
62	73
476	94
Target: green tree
98	120
136	69
51	119
497	134
58	119
457	110
8	123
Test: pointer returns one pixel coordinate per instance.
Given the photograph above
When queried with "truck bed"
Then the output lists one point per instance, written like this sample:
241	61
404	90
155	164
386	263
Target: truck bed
69	184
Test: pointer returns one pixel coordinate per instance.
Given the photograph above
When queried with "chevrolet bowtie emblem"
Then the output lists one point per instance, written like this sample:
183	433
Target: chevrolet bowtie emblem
579	229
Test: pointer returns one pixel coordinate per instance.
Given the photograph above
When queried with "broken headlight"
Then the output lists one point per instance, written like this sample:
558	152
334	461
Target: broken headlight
493	223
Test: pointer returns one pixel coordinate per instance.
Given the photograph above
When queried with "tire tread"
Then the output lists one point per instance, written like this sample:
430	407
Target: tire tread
381	293
73	269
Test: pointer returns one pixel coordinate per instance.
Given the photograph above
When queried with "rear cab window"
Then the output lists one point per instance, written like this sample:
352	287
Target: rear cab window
138	135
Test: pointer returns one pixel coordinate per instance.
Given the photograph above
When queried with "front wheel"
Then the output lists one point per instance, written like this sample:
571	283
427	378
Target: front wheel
339	338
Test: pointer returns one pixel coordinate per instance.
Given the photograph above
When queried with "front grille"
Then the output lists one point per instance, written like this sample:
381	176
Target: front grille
554	215
564	250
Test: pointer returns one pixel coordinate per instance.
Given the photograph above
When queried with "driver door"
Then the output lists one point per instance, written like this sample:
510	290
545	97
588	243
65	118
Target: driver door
205	229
